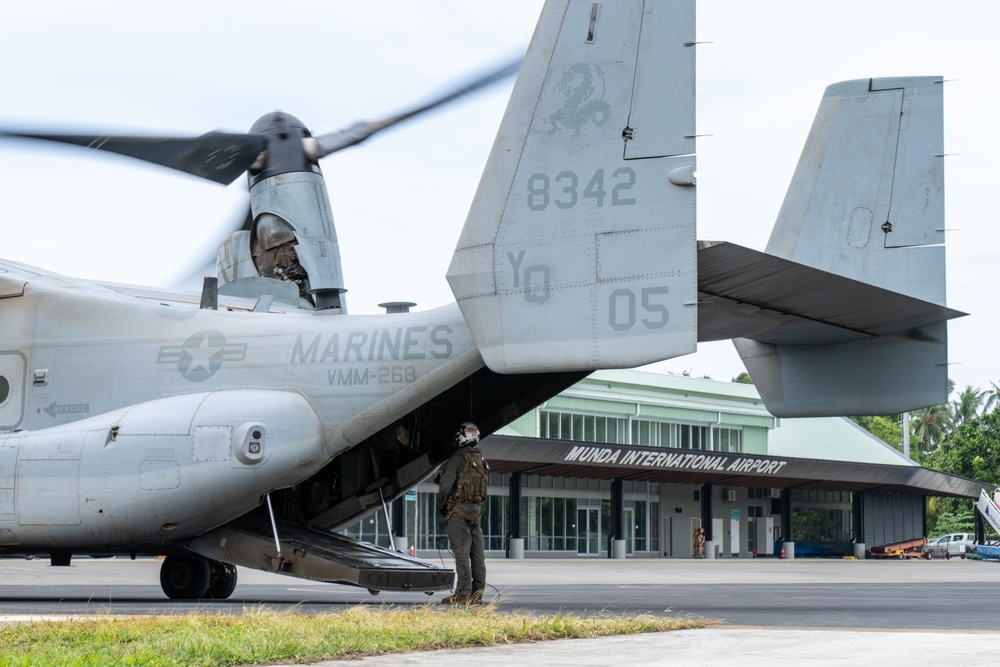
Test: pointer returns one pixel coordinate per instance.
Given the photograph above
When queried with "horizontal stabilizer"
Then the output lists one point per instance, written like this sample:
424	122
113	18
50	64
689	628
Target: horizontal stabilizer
750	294
579	249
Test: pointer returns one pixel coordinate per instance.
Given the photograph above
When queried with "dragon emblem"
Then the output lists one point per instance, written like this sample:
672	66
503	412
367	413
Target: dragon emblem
584	102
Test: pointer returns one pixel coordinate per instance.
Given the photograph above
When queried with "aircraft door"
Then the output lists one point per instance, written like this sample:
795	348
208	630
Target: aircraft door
12	365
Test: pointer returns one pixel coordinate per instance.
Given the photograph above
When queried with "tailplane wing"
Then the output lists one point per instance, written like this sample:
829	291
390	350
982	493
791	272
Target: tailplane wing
579	249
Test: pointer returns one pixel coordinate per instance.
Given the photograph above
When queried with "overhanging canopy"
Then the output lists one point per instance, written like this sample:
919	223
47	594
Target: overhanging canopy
562	458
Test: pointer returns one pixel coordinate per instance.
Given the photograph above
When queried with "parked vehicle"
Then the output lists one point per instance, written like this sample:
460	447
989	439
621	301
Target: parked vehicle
953	544
903	549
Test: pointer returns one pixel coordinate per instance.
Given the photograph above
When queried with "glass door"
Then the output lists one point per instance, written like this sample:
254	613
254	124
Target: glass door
588	531
628	523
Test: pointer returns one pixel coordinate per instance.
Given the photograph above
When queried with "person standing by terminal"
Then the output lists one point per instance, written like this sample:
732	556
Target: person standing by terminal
461	489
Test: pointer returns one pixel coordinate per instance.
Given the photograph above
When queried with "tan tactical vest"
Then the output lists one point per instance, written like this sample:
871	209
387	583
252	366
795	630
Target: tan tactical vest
470	487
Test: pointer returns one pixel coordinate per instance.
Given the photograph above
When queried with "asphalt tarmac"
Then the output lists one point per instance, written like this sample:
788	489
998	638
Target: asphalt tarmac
771	611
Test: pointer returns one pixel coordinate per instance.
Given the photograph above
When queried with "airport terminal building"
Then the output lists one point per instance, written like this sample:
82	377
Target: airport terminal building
633	464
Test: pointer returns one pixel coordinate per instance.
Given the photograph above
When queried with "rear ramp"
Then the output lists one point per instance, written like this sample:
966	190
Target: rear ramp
327	557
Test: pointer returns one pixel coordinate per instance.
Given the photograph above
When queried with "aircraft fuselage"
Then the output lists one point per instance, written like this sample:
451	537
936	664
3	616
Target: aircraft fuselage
132	421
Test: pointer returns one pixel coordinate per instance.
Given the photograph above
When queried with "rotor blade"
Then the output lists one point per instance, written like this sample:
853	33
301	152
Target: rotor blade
217	156
361	130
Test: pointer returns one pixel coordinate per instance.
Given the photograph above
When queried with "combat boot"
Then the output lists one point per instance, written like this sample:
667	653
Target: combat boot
456	598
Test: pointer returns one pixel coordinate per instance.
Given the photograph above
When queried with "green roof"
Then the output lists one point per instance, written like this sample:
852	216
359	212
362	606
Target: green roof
824	438
831	439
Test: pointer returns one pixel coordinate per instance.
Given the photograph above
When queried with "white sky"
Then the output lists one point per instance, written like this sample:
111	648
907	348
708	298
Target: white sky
399	201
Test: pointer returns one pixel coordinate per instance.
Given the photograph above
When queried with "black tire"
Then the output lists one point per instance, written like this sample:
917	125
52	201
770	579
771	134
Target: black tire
222	581
185	577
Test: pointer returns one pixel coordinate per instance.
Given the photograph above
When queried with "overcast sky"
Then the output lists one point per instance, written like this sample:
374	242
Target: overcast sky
400	200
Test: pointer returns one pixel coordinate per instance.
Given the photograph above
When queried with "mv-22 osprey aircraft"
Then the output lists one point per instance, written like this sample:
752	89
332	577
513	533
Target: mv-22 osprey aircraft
245	426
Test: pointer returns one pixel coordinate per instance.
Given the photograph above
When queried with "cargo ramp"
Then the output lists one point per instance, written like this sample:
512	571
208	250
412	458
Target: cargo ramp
320	556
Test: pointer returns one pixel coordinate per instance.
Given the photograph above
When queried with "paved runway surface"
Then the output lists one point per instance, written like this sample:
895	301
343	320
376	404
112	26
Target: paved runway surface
946	612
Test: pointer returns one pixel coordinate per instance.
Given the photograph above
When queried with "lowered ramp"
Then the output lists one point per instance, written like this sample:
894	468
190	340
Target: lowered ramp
319	556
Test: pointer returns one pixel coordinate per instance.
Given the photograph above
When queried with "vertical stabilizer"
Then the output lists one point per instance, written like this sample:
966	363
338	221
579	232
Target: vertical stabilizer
579	249
866	202
867	197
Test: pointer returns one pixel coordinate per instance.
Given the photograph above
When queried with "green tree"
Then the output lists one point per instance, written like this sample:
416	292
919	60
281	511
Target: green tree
743	378
991	397
967	405
972	450
930	426
884	427
950	515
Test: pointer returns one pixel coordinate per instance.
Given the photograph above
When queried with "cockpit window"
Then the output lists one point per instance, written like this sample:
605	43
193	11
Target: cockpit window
273	249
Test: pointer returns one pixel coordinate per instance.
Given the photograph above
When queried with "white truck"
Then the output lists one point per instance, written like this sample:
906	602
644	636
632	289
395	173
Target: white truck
953	544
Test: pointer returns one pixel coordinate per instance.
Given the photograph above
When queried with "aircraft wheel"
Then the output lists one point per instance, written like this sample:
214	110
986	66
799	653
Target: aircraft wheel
185	577
222	581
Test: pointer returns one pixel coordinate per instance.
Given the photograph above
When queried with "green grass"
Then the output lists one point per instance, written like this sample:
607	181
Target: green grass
266	637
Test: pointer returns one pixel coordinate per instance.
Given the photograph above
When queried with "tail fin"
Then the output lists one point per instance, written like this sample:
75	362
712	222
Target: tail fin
866	202
579	250
867	197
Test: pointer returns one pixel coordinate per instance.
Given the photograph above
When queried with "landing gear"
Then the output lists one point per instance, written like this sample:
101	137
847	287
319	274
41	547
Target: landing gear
185	577
190	577
222	581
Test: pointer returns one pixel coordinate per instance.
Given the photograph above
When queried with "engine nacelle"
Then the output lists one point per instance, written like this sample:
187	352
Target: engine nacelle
159	471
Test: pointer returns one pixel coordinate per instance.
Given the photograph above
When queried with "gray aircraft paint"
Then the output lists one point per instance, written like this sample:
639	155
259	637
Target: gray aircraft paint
133	418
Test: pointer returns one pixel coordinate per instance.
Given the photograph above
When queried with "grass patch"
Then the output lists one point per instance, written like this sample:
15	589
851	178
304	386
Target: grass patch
260	636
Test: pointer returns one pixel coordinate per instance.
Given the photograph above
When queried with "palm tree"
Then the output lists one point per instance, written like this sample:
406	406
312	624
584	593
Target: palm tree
930	425
967	405
991	397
